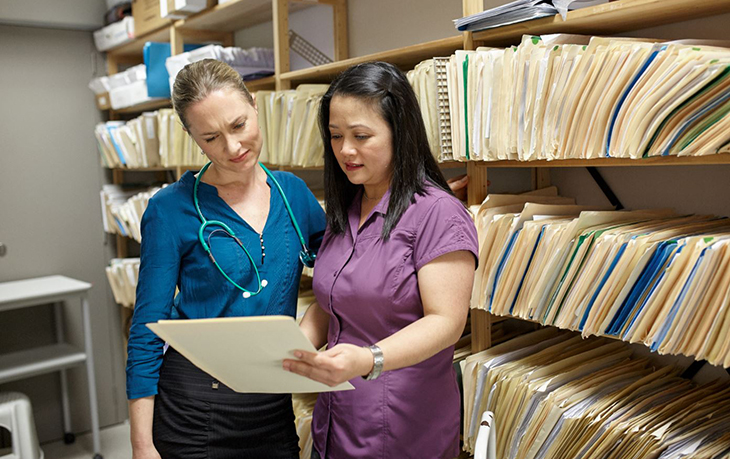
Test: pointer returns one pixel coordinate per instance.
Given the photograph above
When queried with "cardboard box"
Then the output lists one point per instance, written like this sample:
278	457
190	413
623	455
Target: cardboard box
147	17
102	101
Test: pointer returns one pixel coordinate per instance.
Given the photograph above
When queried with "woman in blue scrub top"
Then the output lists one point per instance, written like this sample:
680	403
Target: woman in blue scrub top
176	409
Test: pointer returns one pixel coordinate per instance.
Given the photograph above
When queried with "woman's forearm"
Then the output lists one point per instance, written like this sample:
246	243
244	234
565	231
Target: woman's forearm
141	412
420	341
445	285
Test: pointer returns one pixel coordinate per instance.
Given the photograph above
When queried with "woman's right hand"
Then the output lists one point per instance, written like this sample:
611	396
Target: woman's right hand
148	452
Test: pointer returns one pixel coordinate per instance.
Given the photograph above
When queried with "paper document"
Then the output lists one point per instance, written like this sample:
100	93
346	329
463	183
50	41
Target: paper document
244	353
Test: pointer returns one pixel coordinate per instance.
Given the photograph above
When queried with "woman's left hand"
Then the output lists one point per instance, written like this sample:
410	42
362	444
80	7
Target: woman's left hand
333	366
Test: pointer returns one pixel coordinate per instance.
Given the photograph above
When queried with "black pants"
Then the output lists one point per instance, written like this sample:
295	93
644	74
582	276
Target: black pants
192	420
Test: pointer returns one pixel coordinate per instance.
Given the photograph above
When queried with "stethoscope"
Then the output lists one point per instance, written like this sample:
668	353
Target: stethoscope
305	255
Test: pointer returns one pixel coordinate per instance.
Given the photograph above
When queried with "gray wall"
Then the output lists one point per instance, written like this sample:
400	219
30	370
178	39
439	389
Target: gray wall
373	26
62	14
50	216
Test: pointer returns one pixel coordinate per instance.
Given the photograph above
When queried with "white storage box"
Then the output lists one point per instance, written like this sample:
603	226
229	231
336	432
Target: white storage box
180	9
118	80
115	34
136	73
131	94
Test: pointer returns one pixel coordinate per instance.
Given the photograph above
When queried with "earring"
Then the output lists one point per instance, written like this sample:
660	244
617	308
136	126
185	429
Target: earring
202	153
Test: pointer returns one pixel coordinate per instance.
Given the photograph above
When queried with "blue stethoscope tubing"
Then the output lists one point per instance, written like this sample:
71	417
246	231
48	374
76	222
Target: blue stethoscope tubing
305	255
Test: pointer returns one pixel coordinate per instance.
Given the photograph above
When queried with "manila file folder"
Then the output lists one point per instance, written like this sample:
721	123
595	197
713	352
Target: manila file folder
244	353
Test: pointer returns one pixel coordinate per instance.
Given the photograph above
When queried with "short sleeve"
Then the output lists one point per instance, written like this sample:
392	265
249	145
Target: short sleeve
446	227
158	275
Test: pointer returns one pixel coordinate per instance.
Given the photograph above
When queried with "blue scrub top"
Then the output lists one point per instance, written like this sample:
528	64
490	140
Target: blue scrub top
172	256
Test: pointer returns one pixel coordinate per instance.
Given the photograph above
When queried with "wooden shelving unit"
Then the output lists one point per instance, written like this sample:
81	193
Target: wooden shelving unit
610	18
405	58
234	15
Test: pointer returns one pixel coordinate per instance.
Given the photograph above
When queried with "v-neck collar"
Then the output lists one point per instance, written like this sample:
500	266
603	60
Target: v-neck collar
188	178
354	212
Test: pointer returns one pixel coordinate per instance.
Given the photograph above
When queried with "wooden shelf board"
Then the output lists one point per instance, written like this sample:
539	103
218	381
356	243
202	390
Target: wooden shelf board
252	85
405	58
135	47
142	169
261	83
144	107
607	18
452	165
722	159
233	15
718	159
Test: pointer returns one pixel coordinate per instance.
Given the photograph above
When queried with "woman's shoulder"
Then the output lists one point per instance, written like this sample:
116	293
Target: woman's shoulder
172	192
171	196
434	198
294	187
288	179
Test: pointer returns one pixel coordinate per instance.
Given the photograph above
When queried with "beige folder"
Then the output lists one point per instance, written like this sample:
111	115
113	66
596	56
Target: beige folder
244	353
262	105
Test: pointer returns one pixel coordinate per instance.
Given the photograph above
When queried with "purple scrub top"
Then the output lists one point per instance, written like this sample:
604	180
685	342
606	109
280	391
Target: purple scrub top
369	288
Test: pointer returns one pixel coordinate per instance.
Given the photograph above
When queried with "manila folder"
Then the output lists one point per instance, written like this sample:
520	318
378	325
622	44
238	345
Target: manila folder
244	353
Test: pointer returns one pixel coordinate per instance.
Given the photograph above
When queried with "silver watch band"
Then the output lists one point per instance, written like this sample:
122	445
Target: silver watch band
377	362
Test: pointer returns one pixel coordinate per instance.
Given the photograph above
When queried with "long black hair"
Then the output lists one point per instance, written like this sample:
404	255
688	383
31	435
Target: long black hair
388	89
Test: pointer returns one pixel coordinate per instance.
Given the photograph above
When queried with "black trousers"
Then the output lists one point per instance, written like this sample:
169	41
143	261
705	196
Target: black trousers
192	420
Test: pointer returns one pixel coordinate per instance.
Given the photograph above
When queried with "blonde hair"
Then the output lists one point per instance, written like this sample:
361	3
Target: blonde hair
195	81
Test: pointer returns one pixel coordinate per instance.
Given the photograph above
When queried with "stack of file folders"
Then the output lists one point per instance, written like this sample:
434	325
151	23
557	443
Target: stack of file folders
122	209
303	405
520	11
289	126
154	139
423	79
648	276
249	63
123	274
574	97
554	395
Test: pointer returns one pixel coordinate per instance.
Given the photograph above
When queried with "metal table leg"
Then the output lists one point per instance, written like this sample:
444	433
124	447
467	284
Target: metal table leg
92	378
68	436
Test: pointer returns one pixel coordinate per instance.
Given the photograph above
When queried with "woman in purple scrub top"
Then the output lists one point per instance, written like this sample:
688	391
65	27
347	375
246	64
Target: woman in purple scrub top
392	279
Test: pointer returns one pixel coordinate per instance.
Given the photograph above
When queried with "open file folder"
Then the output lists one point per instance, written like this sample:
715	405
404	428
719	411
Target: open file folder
244	353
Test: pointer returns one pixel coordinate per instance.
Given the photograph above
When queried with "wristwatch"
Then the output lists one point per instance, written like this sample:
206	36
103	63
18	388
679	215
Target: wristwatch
377	363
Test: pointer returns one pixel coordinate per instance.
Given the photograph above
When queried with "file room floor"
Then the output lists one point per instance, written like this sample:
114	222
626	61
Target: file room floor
114	445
